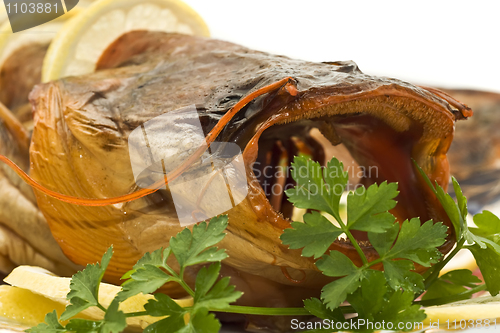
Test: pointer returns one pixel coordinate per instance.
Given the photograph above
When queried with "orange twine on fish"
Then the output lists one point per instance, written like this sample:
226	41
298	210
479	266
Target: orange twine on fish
288	83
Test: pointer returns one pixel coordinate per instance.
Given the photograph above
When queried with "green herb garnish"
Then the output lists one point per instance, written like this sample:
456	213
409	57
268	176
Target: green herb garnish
148	275
373	295
367	291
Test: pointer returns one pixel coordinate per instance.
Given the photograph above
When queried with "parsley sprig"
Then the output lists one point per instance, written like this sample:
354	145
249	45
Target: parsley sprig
483	241
399	247
381	289
387	295
149	274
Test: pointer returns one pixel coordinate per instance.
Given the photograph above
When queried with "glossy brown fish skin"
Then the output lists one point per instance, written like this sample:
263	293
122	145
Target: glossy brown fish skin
79	144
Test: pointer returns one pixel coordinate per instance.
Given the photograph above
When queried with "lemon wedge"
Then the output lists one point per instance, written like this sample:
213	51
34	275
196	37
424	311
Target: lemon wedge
45	284
76	49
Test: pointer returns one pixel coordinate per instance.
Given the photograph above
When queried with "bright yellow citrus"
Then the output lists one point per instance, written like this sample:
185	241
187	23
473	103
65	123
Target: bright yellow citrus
55	289
42	34
77	47
25	307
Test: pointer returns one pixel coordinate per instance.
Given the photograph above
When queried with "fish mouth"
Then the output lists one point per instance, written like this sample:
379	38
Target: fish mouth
376	126
378	138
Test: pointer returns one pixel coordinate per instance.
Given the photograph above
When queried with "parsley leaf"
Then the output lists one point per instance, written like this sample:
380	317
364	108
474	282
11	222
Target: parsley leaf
83	326
382	242
461	200
451	283
456	215
84	287
170	324
319	309
367	209
463	277
415	242
335	293
315	235
399	275
51	325
486	248
468	234
337	264
488	225
161	306
195	248
399	308
317	188
202	322
369	298
209	294
146	279
154	258
115	320
487	260
375	302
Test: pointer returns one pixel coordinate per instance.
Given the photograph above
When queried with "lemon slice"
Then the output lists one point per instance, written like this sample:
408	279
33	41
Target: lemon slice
480	308
43	282
42	34
24	307
77	47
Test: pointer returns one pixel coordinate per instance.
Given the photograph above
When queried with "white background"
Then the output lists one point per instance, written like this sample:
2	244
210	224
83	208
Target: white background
450	44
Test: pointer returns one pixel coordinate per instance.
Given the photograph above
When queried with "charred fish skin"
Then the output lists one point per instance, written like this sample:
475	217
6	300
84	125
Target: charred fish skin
82	124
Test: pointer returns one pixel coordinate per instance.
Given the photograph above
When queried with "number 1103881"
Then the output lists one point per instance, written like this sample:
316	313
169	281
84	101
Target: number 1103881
32	7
